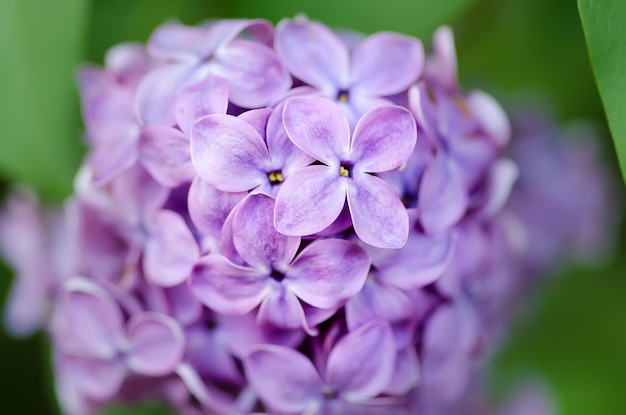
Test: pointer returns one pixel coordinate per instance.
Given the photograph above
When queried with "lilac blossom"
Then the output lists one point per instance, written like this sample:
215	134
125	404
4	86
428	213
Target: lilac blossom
358	369
314	196
383	64
324	275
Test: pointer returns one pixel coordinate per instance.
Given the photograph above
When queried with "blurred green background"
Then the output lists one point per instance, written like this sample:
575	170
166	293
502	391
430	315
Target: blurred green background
575	337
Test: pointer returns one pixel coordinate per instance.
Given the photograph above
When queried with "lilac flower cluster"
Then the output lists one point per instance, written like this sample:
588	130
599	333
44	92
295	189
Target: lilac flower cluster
277	221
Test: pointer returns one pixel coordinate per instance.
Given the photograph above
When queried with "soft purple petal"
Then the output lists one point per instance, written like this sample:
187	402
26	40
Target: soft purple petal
309	201
384	138
282	151
328	272
89	322
361	364
313	53
156	344
227	288
227	152
257	119
129	62
283	378
420	262
171	250
378	301
255	73
97	379
442	67
282	309
183	306
378	216
210	96
156	94
255	237
318	126
491	116
209	207
443	198
164	152
181	43
111	158
386	63
502	176
406	374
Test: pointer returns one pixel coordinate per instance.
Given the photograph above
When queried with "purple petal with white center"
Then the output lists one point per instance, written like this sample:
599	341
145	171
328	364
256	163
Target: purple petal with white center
309	201
378	216
283	378
379	301
156	94
209	96
164	152
267	248
209	207
491	116
228	153
89	322
328	272
171	250
282	151
443	198
281	309
313	53
227	288
255	73
384	138
420	262
406	374
318	127
95	378
386	63
361	365
181	43
156	344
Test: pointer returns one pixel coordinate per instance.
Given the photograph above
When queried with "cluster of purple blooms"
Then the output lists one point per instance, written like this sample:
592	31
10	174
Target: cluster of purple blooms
284	221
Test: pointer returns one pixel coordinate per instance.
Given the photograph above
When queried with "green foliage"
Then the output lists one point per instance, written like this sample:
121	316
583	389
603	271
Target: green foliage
41	47
604	22
145	409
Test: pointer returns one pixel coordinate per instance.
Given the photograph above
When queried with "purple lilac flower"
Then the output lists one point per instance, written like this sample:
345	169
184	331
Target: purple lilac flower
382	64
236	245
314	196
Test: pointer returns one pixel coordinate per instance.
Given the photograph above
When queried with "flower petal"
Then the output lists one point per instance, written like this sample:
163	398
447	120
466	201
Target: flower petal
209	207
313	53
491	116
361	365
89	321
255	237
442	66
227	288
255	73
309	201
171	250
328	272
378	216
95	378
283	152
227	152
164	152
283	378
156	93
318	126
156	344
443	198
406	374
210	96
386	64
181	43
383	139
282	309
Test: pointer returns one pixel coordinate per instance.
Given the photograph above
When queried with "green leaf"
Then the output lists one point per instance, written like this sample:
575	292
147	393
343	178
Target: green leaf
143	409
604	23
41	48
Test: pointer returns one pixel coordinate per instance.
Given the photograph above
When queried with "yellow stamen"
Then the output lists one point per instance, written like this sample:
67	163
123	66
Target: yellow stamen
343	97
275	177
343	171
